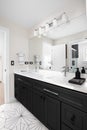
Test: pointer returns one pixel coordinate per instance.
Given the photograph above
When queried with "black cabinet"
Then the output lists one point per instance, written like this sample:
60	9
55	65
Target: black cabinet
64	127
85	122
56	107
38	105
52	113
46	108
23	91
73	117
29	96
18	89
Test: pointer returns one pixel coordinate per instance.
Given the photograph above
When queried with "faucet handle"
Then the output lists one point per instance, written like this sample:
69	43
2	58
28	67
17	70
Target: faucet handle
66	68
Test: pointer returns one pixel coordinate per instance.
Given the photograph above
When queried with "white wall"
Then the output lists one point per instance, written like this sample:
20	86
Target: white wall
18	42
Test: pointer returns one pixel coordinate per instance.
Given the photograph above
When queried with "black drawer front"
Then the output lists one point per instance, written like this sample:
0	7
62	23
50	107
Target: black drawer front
85	122
74	98
72	117
64	127
47	89
22	79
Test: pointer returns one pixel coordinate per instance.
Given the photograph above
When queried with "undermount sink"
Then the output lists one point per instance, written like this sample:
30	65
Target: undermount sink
49	75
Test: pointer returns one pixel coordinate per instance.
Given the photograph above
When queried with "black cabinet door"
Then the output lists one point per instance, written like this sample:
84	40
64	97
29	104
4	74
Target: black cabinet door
52	113
72	117
23	92
17	92
64	127
29	96
18	84
38	104
85	122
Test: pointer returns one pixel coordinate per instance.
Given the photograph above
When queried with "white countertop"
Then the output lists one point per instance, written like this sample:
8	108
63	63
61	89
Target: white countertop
56	78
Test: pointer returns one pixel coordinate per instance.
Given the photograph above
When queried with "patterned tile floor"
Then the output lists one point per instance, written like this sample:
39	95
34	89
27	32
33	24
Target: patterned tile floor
15	116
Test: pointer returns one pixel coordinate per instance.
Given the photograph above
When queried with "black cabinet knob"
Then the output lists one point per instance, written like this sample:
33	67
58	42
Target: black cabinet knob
41	96
73	119
23	87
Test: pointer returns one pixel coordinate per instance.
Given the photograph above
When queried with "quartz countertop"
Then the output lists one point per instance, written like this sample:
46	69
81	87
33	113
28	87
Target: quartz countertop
55	78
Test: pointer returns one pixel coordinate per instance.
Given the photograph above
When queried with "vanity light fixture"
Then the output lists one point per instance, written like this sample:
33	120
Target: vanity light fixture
54	22
36	32
42	30
65	17
46	27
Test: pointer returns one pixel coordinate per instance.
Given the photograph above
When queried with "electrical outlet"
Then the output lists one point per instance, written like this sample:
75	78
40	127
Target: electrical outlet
26	62
12	62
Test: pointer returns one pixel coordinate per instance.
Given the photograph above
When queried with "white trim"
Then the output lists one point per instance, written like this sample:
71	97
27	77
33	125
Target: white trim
12	100
86	7
6	53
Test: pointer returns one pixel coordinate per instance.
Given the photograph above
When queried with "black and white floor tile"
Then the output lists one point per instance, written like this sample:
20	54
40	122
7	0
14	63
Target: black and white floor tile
15	116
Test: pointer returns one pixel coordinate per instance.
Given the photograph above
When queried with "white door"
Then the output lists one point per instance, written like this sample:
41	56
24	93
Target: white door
5	62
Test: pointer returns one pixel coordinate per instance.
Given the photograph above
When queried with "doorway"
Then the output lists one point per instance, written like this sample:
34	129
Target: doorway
4	65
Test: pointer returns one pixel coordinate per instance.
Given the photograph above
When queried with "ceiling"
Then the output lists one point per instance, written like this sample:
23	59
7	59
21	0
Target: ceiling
29	13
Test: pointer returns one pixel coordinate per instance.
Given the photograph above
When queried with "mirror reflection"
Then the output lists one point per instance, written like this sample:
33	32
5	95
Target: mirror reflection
65	45
78	54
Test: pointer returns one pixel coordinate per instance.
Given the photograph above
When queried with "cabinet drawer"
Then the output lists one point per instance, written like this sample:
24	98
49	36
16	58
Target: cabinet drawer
72	117
74	98
47	89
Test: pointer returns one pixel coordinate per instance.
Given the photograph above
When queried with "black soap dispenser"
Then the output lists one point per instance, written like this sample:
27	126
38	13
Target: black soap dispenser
77	74
83	70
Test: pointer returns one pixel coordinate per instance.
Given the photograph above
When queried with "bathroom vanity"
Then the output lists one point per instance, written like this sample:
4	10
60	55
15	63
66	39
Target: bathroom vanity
58	104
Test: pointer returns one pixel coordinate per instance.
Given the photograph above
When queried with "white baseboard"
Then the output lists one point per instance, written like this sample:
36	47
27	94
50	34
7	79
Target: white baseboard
13	99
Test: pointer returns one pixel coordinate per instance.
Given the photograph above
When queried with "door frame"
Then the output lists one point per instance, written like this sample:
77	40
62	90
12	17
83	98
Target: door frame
6	63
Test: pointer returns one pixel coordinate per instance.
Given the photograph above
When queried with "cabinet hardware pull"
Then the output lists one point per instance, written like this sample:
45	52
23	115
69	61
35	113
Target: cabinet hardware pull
51	92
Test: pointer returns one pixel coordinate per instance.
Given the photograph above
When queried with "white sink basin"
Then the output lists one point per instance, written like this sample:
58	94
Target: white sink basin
49	75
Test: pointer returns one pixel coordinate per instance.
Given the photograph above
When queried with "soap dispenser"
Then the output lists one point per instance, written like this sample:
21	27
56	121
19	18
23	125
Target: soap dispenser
77	74
83	70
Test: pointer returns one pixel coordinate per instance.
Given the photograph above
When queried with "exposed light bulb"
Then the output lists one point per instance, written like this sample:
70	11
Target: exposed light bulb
46	27
54	22
35	32
40	30
65	17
